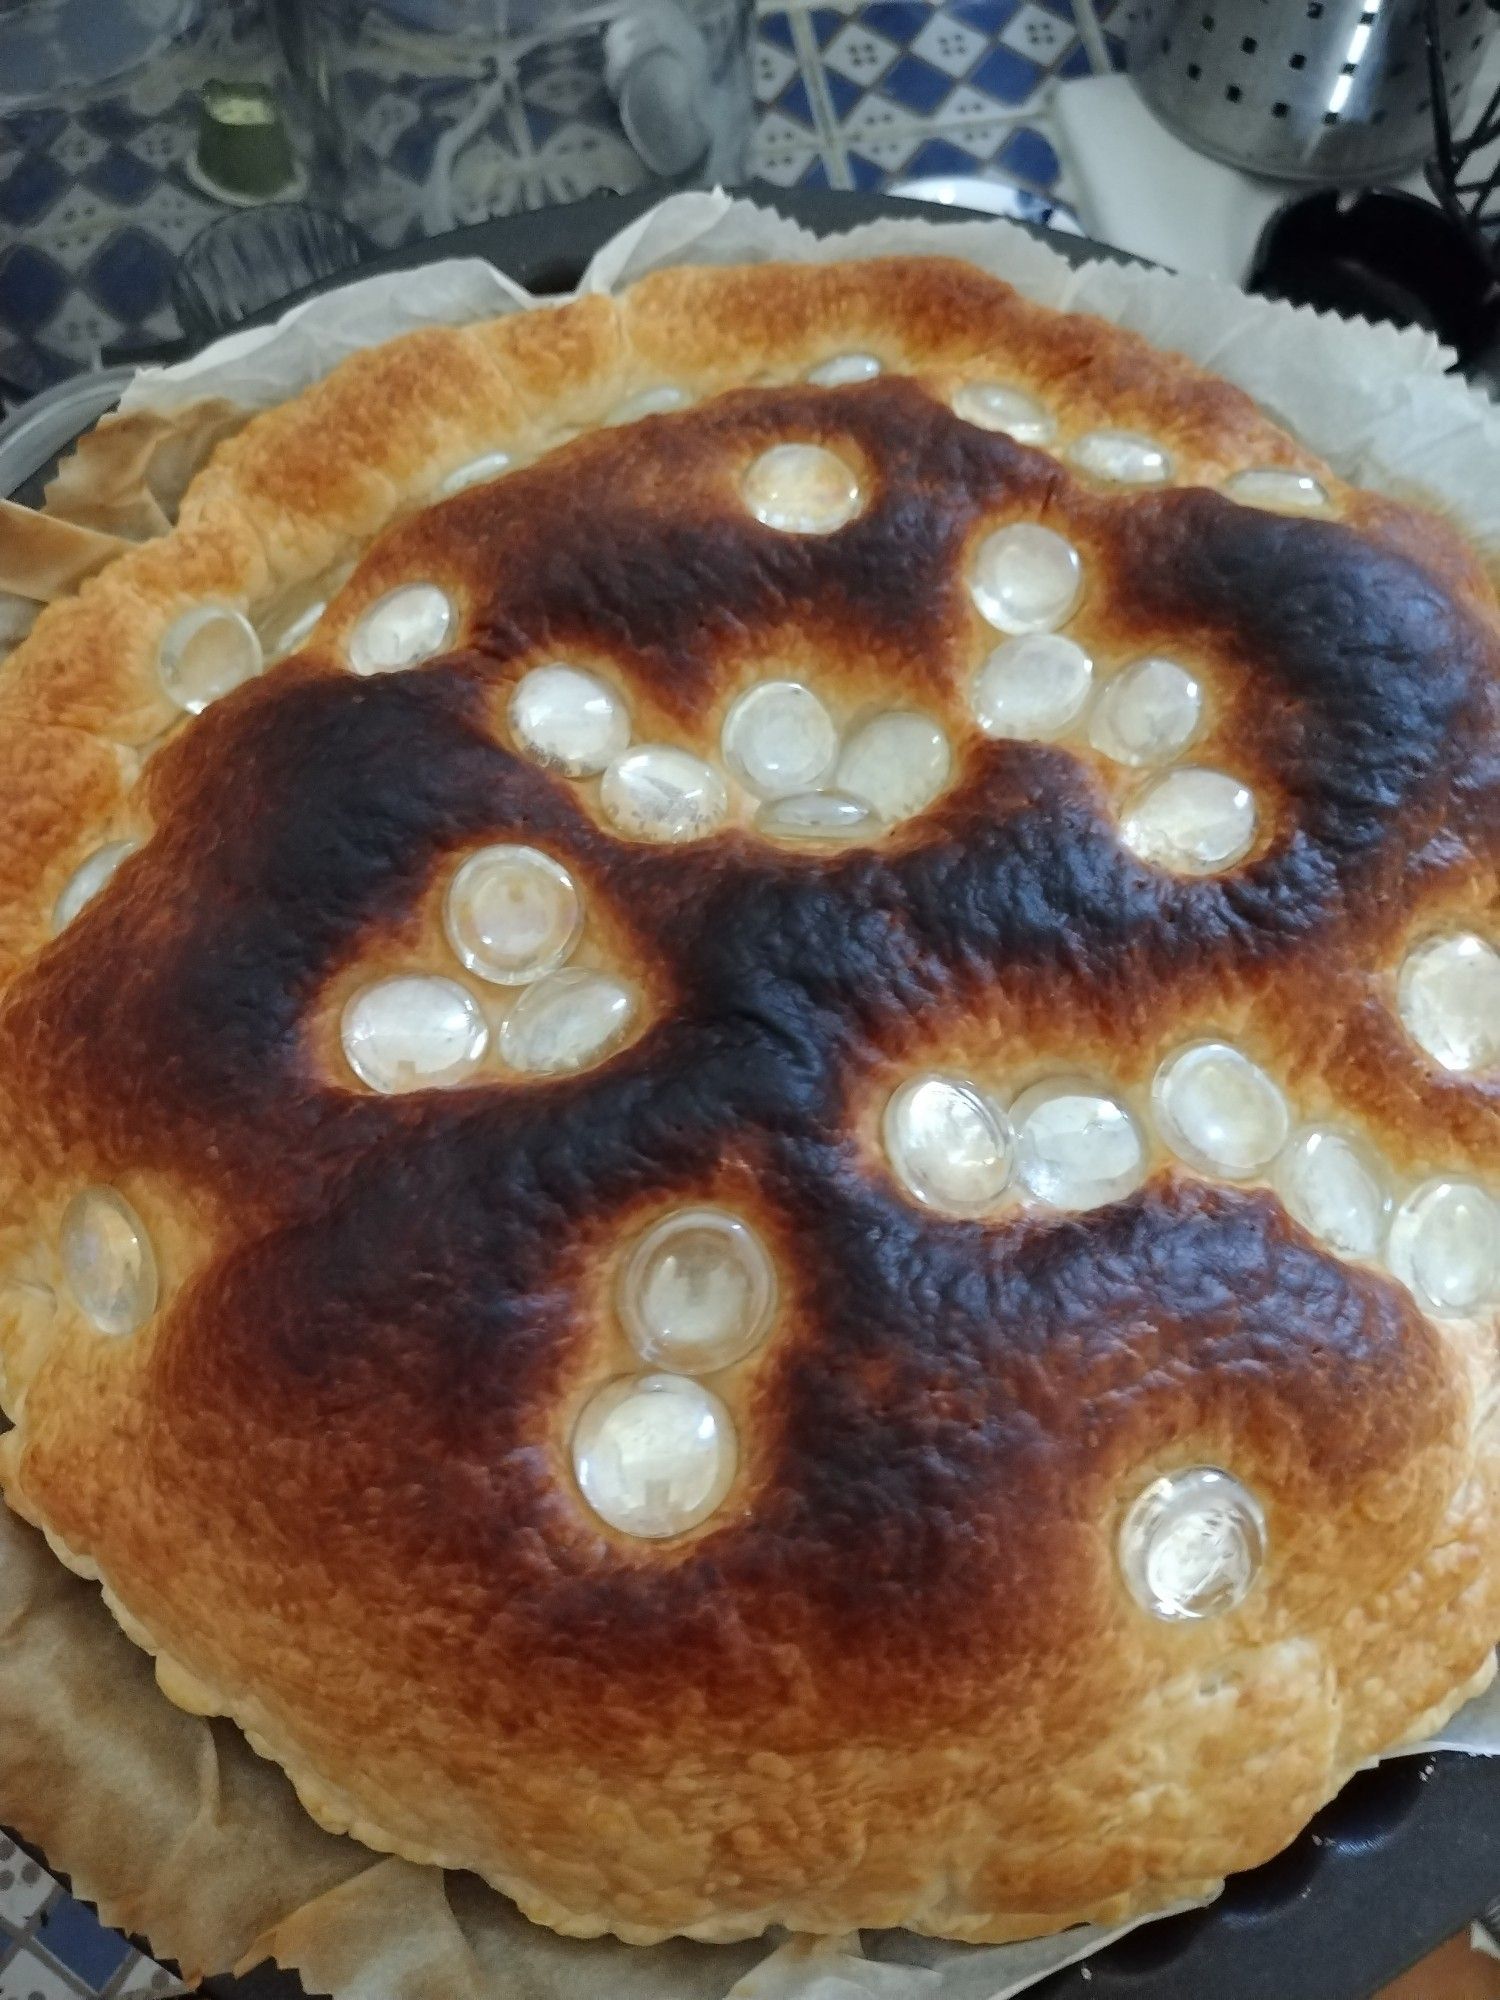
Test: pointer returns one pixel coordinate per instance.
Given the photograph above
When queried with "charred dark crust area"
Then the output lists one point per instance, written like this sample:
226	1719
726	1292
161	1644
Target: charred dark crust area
395	1315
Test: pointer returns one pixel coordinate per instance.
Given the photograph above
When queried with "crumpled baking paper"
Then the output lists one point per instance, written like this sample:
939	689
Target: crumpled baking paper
171	1823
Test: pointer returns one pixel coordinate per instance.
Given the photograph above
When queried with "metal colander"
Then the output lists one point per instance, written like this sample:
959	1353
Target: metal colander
1317	90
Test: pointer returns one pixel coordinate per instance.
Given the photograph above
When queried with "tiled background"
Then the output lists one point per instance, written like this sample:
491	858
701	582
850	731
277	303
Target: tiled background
96	204
52	1948
855	96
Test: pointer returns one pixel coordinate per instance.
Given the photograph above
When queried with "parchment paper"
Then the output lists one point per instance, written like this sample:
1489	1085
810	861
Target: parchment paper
170	1823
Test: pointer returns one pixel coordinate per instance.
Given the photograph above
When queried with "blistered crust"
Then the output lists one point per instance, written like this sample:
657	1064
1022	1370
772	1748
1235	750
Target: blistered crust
898	1679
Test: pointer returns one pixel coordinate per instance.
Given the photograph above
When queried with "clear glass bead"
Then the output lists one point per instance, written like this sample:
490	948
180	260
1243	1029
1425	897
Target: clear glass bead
802	490
996	406
1276	487
566	1021
697	1292
1336	1188
413	1032
779	738
401	629
1219	1111
1025	578
834	819
1125	457
949	1144
1032	687
1190	821
1147	714
898	762
1075	1146
569	719
1448	994
842	369
87	879
658	792
108	1261
475	471
512	914
654	1454
1192	1545
654	402
1445	1246
206	653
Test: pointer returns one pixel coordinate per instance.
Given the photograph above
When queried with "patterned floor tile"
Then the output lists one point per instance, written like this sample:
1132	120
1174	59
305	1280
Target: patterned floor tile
1030	156
774	69
942	62
32	287
781	153
122	177
1038	34
73	1936
1007	75
917	85
949	43
31	188
24	1888
1020	156
860	54
29	1977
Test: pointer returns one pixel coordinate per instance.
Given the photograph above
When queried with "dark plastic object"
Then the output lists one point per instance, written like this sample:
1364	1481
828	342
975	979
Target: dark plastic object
1382	255
1464	172
252	258
1408	1853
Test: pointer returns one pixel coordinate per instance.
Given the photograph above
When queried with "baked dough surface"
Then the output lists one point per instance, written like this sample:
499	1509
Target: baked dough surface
897	1677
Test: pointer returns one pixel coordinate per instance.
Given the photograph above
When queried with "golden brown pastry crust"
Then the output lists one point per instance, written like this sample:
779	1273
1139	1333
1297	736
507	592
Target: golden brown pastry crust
897	1680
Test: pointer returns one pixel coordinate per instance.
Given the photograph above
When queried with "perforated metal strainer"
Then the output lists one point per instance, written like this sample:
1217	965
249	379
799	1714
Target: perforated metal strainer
1315	90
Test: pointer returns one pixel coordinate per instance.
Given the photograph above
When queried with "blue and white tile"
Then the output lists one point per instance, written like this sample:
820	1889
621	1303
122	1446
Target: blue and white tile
889	76
1020	156
783	152
24	1887
55	1948
1039	34
949	44
71	1938
859	54
774	69
917	51
31	1977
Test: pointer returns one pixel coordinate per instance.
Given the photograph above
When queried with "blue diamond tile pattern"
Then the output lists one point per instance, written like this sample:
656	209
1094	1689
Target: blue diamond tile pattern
31	188
32	287
120	177
901	20
916	85
889	76
113	118
78	1941
131	275
98	201
1031	157
35	129
1006	75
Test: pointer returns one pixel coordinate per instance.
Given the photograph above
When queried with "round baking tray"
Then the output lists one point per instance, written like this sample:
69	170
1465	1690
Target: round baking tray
1409	1852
